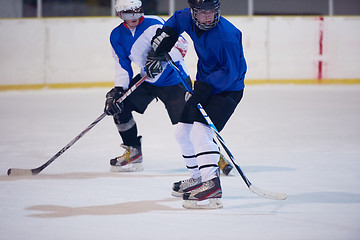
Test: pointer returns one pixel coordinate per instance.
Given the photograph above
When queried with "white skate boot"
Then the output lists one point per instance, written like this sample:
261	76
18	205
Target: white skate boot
205	197
130	161
183	186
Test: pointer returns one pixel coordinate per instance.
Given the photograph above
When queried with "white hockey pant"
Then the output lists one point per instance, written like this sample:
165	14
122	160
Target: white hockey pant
201	154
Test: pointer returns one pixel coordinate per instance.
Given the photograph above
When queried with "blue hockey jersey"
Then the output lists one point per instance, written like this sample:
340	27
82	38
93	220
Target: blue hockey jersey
221	60
131	46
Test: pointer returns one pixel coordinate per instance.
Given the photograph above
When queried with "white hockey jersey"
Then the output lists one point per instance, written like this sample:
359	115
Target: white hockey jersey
132	46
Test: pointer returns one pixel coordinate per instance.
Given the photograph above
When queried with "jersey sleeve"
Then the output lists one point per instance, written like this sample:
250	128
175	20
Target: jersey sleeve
123	69
178	21
231	61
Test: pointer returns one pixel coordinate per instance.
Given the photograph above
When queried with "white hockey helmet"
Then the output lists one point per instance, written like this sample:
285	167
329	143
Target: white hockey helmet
129	9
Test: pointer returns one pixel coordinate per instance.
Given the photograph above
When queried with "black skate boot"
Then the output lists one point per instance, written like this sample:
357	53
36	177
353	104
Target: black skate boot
225	166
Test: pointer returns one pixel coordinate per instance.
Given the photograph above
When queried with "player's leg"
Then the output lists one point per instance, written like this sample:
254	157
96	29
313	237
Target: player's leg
132	158
182	135
220	109
207	156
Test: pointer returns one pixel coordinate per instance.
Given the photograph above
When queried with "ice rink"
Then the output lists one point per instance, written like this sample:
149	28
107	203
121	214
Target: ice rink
300	139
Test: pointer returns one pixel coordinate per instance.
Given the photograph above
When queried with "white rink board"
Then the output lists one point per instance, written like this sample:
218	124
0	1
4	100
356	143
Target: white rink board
77	50
22	51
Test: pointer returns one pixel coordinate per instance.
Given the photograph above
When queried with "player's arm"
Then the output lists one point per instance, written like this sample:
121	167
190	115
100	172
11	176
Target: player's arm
163	41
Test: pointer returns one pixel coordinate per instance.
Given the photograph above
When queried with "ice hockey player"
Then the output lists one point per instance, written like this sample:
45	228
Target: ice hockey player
131	43
218	87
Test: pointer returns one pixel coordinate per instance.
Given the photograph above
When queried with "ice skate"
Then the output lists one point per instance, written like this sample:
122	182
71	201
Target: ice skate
183	186
225	166
205	197
130	161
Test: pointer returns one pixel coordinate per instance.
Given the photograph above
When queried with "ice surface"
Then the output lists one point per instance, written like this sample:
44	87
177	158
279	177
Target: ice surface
300	139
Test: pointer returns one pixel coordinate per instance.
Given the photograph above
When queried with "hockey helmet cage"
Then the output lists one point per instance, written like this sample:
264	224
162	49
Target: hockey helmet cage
196	6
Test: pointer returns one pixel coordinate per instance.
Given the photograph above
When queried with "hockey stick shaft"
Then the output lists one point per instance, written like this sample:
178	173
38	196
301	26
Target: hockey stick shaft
271	195
35	171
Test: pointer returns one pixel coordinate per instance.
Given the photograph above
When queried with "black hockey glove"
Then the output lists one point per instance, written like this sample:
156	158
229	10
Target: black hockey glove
202	92
111	106
164	39
153	64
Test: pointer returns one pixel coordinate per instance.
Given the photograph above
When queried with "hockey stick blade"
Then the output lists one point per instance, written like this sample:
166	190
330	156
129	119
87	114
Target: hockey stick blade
19	172
267	194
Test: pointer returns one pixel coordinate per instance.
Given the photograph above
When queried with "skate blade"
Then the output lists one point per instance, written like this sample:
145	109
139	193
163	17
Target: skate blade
212	203
176	194
231	174
131	167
